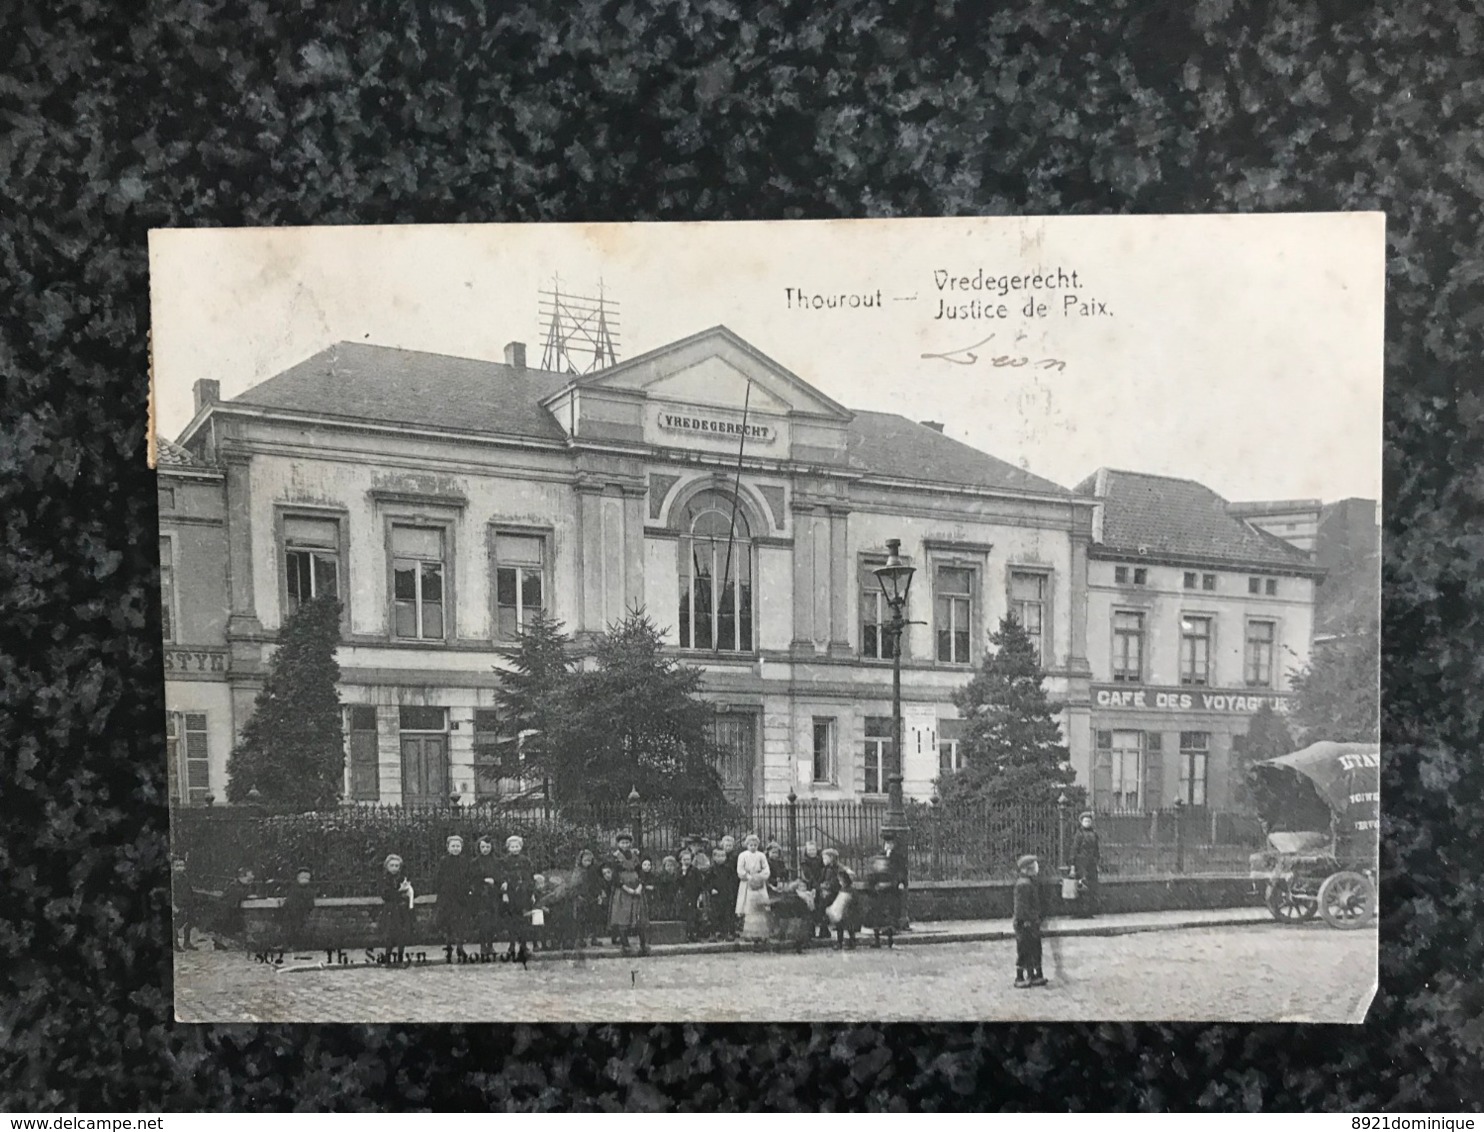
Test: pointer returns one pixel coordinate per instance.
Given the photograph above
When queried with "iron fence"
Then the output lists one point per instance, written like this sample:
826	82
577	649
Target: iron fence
345	847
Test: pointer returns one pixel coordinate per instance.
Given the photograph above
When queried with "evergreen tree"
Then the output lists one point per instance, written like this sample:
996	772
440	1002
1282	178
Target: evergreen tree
1337	696
1012	743
1267	737
293	747
531	696
636	720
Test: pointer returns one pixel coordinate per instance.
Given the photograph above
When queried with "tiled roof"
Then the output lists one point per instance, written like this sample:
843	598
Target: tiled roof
1160	516
170	454
891	445
392	386
387	385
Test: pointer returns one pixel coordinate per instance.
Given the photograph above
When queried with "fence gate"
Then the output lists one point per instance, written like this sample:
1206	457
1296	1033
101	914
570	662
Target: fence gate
735	733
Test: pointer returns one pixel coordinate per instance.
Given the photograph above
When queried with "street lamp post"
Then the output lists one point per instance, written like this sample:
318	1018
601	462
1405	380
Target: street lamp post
895	578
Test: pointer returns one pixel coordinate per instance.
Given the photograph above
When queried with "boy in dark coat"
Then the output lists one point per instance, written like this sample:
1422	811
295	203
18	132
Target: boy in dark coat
1085	858
293	915
724	883
229	924
699	895
896	859
397	896
451	885
1027	921
183	905
811	872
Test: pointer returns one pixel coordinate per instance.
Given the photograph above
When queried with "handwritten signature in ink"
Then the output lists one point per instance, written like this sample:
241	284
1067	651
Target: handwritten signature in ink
966	356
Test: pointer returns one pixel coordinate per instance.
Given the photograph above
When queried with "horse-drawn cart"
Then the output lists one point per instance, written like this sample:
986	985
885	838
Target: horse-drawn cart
1321	810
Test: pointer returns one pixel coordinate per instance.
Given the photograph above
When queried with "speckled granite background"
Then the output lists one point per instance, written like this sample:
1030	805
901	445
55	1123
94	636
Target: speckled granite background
212	113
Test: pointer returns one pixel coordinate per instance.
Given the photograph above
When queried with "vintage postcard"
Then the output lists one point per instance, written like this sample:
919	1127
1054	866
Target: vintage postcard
888	619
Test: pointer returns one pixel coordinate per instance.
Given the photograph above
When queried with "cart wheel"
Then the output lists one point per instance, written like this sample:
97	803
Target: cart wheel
1347	900
1285	908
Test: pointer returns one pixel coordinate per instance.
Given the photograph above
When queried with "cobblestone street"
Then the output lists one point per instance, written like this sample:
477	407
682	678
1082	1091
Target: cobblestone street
1264	971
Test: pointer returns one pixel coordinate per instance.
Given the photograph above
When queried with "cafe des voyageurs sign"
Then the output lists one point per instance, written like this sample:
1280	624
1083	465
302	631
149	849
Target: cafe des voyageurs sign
1139	698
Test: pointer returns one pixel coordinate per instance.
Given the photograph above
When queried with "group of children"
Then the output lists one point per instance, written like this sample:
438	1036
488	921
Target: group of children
718	890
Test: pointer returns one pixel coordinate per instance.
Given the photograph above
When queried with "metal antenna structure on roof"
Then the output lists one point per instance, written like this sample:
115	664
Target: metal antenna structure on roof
580	332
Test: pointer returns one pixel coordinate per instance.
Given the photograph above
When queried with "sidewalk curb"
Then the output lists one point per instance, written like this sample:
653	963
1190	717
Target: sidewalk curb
919	938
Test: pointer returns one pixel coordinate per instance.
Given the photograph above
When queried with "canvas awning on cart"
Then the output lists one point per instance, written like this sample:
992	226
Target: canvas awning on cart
1347	776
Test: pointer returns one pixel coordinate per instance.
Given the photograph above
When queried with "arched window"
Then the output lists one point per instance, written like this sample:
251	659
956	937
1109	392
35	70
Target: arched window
716	572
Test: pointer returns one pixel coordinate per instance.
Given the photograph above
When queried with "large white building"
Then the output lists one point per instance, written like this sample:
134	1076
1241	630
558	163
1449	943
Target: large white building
443	499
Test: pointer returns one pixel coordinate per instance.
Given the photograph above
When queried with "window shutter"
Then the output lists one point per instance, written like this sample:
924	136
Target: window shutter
364	784
1154	768
1102	769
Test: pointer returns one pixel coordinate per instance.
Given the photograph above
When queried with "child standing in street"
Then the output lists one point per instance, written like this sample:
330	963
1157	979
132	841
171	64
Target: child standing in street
451	888
230	924
396	909
1027	921
298	903
183	904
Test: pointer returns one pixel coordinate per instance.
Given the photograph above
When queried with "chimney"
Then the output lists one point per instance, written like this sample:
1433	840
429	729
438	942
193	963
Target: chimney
515	354
207	392
936	426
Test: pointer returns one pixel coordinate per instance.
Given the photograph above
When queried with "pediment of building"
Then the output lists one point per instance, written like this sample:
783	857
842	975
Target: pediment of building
717	369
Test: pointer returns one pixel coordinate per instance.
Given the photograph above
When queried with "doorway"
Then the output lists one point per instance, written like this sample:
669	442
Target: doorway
424	756
735	735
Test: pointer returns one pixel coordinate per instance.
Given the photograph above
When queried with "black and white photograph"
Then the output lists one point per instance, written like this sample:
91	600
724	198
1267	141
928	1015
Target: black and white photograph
954	619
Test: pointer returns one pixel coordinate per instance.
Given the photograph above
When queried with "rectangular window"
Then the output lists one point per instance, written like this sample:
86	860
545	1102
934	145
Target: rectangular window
1270	587
195	778
1259	667
1028	605
1141	576
1208	582
1127	770
422	719
1254	585
1128	647
167	588
1120	575
824	751
365	775
417	583
950	753
877	745
877	640
953	612
949	759
520	581
493	760
1190	579
1195	650
311	555
1195	749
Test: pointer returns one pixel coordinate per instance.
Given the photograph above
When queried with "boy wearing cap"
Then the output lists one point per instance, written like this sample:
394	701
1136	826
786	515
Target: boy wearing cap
183	904
1027	921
